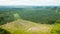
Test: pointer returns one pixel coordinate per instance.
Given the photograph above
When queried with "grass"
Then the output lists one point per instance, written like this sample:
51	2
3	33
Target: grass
27	27
56	29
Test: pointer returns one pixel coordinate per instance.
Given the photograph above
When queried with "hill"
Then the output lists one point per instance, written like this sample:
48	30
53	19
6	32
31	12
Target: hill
28	27
39	14
30	20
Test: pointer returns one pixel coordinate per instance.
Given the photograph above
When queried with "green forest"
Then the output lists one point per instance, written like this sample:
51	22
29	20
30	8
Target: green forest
29	17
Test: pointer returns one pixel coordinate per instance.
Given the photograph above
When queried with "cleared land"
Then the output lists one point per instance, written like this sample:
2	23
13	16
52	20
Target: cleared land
22	26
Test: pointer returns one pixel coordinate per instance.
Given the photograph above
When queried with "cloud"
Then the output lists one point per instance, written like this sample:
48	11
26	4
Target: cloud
29	2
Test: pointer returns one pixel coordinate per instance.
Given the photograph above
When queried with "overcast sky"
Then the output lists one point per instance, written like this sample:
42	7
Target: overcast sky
30	2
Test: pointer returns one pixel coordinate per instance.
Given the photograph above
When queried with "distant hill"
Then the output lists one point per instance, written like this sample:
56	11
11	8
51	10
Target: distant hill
40	14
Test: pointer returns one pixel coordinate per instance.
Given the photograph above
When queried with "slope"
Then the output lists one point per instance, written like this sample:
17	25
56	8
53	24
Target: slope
22	26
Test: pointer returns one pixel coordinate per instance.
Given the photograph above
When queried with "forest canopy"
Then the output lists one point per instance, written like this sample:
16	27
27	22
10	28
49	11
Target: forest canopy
44	15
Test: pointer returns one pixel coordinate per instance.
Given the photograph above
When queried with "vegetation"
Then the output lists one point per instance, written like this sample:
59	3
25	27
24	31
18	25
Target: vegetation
30	20
3	31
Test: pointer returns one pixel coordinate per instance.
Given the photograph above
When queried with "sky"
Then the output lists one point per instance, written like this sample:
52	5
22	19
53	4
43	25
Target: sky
30	2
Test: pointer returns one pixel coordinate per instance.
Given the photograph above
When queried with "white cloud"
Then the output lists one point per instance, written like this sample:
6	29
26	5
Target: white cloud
29	2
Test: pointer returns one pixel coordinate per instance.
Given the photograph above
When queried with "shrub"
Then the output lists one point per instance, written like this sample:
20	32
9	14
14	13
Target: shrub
3	31
56	29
